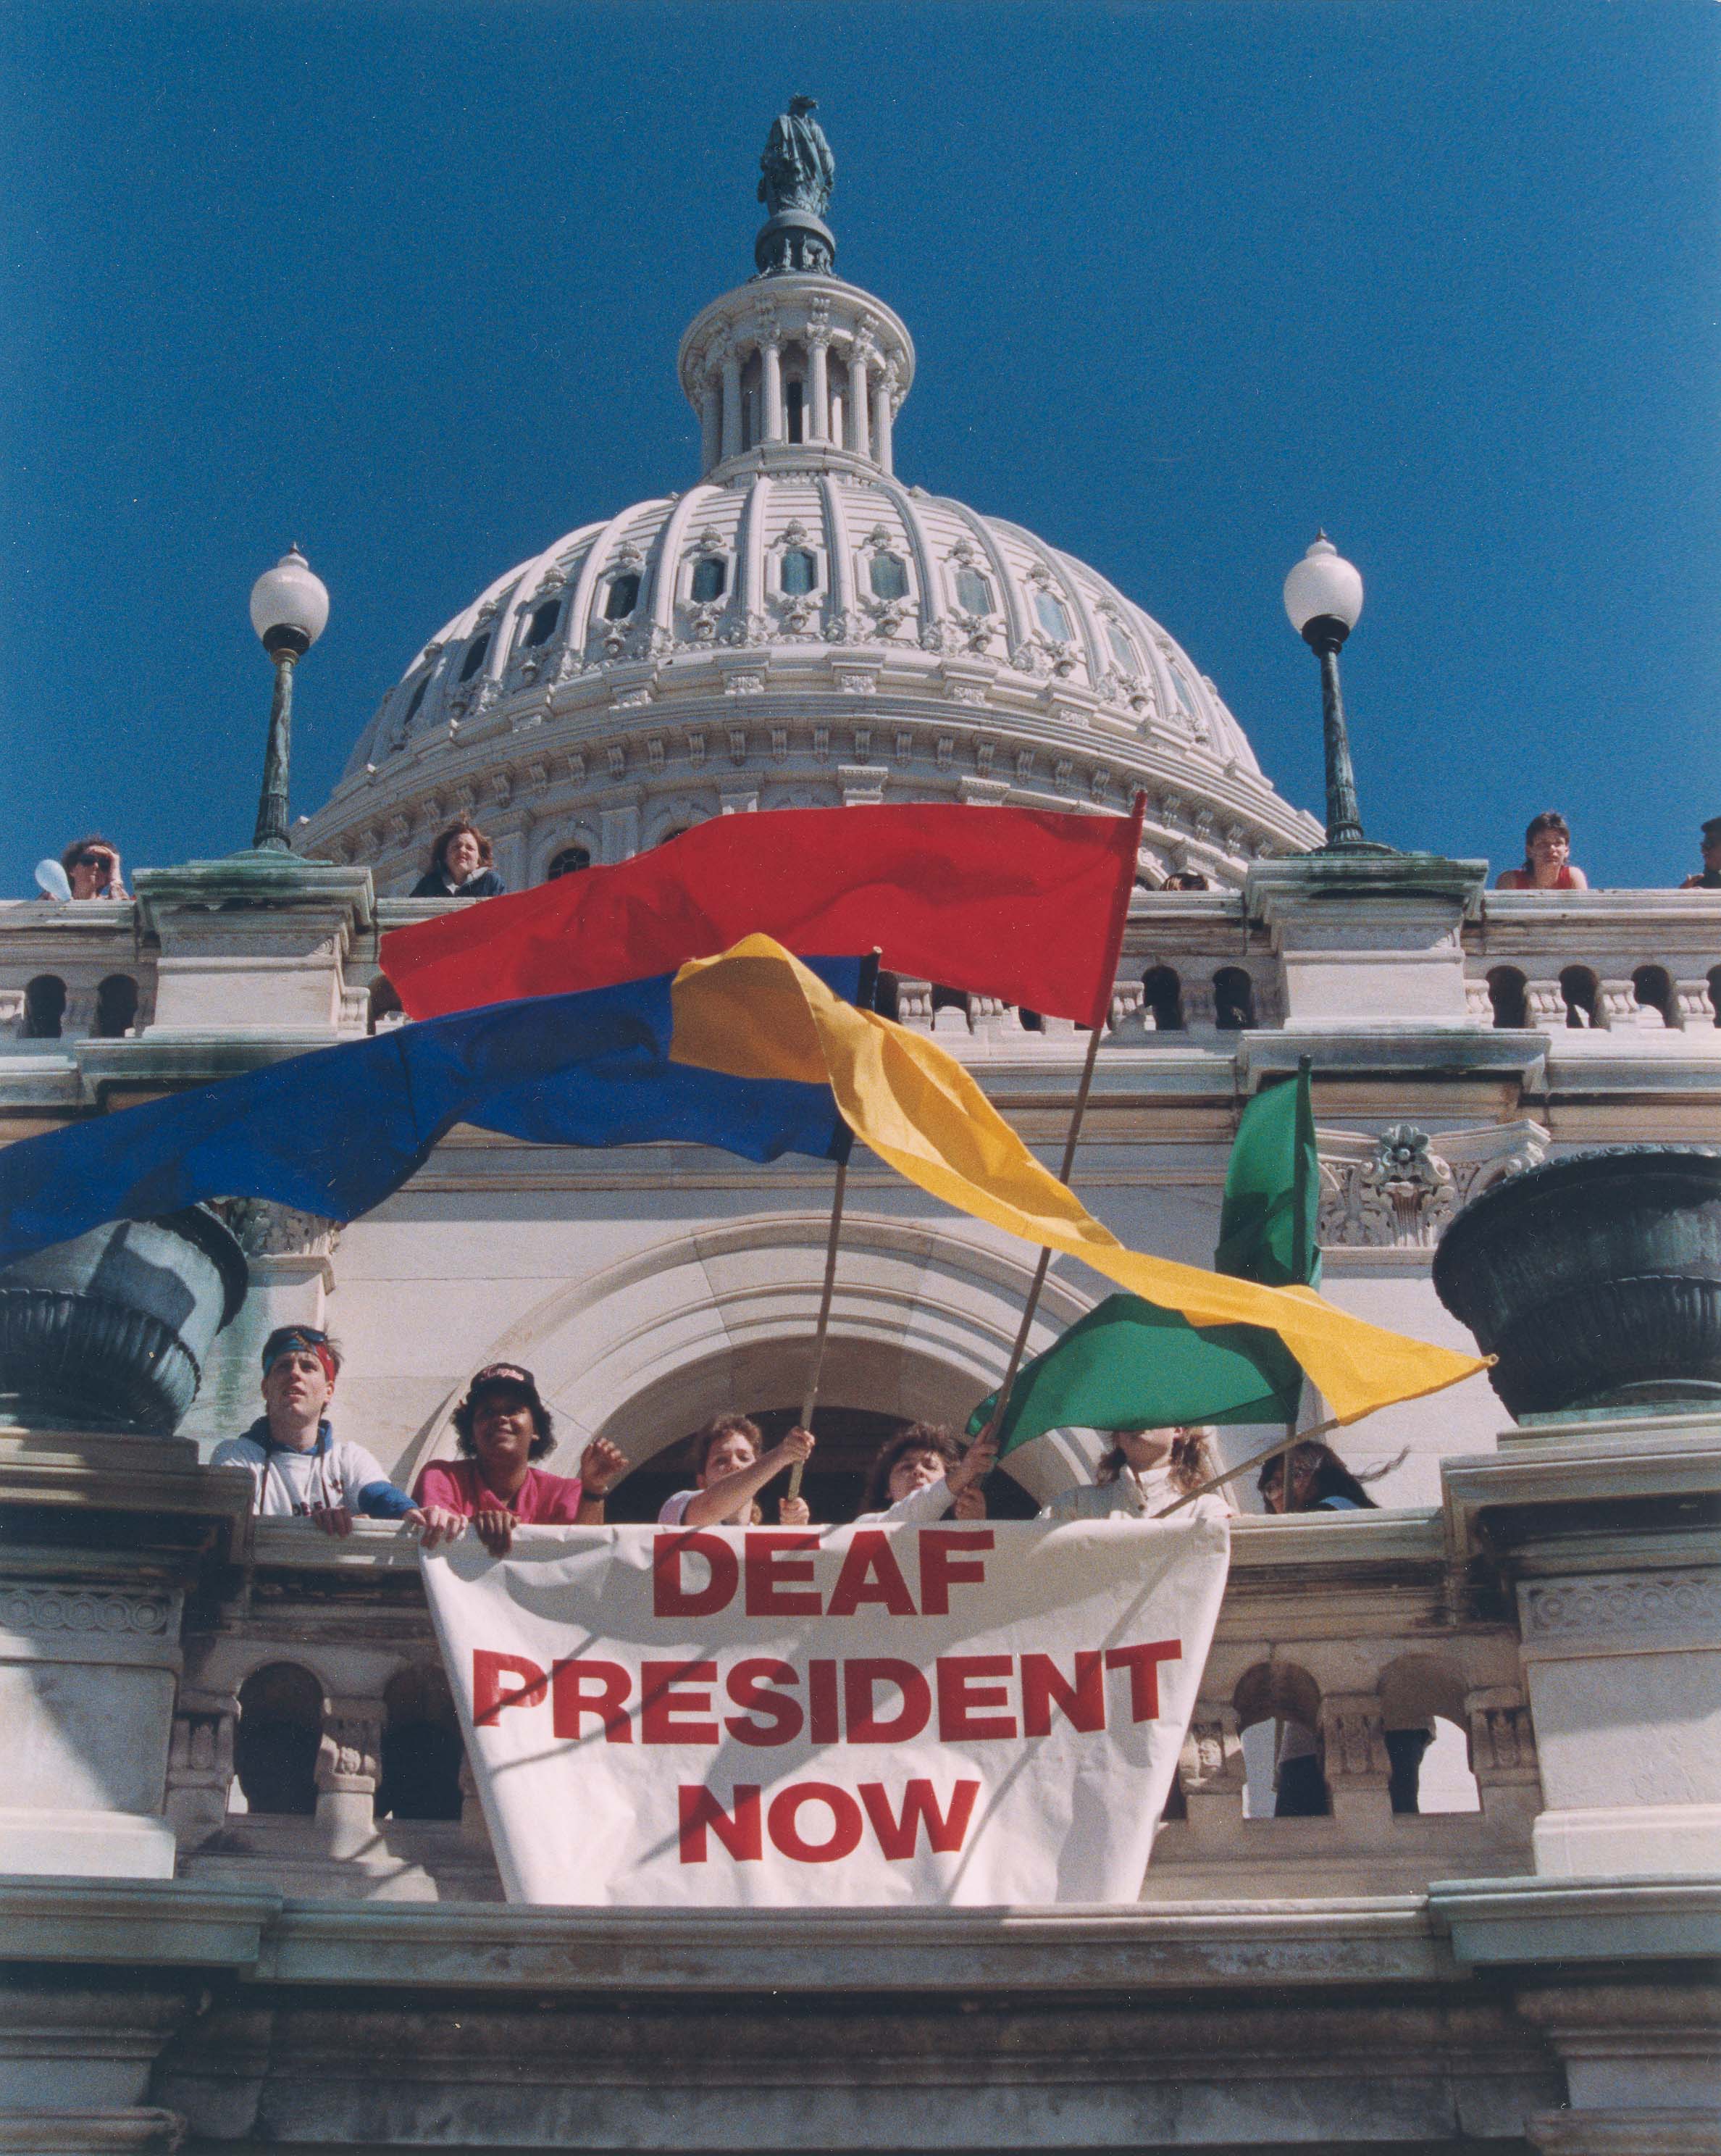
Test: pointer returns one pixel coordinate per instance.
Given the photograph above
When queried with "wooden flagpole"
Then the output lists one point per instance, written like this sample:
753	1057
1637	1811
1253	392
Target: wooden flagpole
1255	1460
810	1398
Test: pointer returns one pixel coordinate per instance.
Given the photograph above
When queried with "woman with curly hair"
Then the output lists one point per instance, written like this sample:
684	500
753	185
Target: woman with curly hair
921	1474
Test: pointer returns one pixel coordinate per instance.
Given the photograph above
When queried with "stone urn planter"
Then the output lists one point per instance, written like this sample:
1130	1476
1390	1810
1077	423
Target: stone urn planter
111	1330
1596	1280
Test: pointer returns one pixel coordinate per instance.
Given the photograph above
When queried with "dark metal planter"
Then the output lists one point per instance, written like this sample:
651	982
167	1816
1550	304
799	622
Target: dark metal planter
111	1330
1596	1280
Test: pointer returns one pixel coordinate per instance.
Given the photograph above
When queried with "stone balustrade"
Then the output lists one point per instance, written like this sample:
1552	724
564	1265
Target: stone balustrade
315	1744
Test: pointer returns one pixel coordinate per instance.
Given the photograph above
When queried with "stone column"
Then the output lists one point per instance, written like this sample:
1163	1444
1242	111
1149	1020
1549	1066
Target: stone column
348	1767
857	401
818	387
883	401
1354	1760
732	402
1502	1756
711	422
1211	1771
770	382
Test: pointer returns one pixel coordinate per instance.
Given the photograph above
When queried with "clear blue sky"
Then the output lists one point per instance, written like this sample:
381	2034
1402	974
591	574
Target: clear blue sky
404	282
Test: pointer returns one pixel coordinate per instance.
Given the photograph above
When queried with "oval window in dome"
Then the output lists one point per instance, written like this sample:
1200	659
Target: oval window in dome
412	708
799	572
1122	651
974	594
889	577
475	657
623	598
1053	618
542	625
710	577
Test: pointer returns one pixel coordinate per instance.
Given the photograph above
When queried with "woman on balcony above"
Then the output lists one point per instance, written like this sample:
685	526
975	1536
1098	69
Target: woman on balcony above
1145	1471
1547	858
502	1426
460	866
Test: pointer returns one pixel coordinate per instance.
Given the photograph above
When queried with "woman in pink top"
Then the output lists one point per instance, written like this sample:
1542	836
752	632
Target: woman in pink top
503	1425
1547	858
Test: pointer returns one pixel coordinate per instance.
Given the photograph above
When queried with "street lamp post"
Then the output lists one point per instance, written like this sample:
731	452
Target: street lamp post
289	607
1323	599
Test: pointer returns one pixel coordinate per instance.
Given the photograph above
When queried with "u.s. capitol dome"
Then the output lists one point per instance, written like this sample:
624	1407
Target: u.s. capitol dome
798	629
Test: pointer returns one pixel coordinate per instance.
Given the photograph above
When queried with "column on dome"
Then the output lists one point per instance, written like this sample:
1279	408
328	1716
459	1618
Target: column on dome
883	391
857	400
711	420
770	368
818	387
732	402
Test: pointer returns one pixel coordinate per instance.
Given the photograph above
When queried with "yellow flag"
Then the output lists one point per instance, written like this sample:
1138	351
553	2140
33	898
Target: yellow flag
755	1012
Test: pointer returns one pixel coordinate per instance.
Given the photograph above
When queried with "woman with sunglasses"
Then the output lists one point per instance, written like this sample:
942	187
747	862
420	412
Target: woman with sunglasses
92	868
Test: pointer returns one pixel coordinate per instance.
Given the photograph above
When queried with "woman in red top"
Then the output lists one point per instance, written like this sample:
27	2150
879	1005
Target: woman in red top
1547	858
502	1426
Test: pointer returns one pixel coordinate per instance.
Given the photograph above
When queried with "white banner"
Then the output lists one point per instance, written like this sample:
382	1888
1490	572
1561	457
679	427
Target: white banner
845	1716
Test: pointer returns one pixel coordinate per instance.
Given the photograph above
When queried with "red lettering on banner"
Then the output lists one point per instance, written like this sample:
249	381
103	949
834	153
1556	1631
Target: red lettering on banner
1143	1663
822	1703
580	1688
669	1597
778	1584
945	1831
489	1698
861	1725
1082	1704
747	1683
783	1822
870	1573
741	1836
963	1697
661	1707
940	1570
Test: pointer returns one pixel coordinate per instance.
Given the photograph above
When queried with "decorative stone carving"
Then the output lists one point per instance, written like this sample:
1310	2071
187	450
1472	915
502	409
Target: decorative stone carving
1399	1190
1212	1761
1503	1741
1355	1741
54	1612
350	1756
1633	1604
267	1230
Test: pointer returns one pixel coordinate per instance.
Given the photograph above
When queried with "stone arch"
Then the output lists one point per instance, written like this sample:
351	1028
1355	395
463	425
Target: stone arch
922	1322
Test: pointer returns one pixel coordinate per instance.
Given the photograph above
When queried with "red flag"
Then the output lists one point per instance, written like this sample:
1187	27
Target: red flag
1023	904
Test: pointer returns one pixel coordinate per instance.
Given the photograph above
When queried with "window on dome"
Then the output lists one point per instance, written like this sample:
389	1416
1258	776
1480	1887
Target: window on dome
889	577
542	625
417	699
1185	695
1053	620
623	598
1122	650
568	862
799	572
793	410
974	594
710	575
475	657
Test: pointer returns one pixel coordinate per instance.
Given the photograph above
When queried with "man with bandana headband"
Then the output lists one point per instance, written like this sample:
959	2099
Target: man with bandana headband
299	1468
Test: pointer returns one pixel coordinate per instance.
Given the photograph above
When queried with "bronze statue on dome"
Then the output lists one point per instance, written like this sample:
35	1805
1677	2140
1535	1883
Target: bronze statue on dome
799	170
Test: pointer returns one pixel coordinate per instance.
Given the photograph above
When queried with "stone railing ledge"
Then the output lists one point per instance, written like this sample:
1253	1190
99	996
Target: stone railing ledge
278	881
1459	1048
132	1921
1492	1921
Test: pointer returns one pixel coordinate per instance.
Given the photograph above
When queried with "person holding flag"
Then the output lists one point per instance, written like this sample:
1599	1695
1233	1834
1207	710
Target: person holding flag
1145	1472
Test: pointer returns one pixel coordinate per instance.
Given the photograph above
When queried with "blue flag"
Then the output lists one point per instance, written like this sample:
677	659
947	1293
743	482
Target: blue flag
337	1131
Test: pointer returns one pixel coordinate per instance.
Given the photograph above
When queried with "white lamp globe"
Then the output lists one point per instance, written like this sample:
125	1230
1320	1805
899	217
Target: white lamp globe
1323	586
290	606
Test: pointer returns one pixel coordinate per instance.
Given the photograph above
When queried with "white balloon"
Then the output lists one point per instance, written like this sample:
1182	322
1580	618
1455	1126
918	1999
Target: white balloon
52	877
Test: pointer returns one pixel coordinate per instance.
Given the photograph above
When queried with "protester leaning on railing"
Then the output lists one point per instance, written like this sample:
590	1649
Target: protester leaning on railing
460	866
1547	858
299	1468
92	867
501	1427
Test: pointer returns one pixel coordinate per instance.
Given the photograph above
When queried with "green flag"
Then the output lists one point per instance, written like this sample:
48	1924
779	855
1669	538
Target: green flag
1129	1365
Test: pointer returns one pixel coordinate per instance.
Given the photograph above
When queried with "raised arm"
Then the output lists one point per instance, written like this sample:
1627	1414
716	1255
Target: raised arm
710	1507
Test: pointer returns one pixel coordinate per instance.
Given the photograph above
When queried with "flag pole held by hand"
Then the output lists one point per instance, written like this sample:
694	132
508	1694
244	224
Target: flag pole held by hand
809	1399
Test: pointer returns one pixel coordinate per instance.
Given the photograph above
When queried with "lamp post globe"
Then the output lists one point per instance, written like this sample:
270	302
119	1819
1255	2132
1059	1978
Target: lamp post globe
1323	600
289	609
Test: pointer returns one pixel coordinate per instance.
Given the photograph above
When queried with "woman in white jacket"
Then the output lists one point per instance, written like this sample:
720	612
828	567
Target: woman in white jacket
1145	1472
922	1474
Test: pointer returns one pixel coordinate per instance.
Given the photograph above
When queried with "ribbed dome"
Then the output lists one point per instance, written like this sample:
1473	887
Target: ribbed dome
797	628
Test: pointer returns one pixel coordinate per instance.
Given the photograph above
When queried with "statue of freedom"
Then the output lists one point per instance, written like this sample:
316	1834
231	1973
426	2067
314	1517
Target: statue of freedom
798	168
